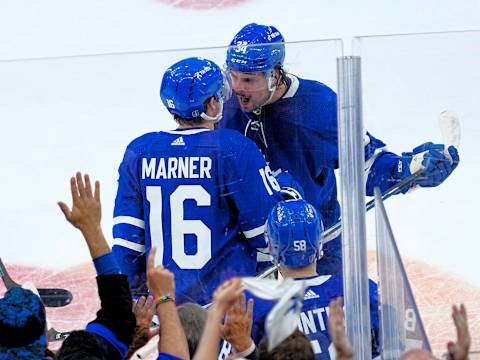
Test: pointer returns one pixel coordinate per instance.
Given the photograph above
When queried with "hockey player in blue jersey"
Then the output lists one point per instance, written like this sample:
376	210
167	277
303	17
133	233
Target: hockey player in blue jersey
294	233
200	196
294	122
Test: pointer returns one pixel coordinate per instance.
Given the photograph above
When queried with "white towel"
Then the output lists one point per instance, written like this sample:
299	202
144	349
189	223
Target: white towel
282	320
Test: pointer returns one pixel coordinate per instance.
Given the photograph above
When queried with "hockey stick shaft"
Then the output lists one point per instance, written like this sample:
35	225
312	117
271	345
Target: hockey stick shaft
334	231
51	297
7	280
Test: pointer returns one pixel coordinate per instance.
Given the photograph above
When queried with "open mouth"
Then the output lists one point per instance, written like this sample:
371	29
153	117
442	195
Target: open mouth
244	100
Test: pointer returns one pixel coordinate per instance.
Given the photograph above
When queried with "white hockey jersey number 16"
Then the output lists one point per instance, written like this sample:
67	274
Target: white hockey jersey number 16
180	226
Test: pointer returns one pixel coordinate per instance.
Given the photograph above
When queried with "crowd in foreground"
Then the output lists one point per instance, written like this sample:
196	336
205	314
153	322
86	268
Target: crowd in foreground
189	331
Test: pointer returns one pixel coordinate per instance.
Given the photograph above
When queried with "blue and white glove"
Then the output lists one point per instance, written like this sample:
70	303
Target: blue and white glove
433	160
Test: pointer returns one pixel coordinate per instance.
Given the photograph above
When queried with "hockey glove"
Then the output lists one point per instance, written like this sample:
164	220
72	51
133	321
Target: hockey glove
433	160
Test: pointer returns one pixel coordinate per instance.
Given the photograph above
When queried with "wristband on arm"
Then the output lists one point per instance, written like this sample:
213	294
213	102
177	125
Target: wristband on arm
164	298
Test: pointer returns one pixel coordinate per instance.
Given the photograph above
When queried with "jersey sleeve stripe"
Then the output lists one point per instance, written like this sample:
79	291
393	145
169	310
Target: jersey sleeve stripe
254	232
129	245
265	250
261	257
129	220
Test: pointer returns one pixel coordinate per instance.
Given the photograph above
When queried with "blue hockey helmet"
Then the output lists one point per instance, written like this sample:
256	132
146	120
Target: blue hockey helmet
294	233
187	84
256	48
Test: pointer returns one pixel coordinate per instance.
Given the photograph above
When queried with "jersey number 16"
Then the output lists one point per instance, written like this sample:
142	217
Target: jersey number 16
180	226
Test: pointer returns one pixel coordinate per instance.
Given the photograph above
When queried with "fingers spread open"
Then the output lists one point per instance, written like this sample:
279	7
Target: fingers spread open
140	302
73	188
80	184
241	301
65	210
250	309
88	186
149	302
97	190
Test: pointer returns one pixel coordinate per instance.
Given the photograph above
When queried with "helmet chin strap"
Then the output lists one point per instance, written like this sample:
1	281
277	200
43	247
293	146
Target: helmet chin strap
215	118
271	88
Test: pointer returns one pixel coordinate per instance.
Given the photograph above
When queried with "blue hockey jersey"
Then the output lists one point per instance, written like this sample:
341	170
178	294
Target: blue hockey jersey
298	133
202	198
313	318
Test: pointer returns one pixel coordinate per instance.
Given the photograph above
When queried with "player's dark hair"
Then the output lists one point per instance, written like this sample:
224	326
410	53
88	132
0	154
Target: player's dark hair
188	122
295	347
283	75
